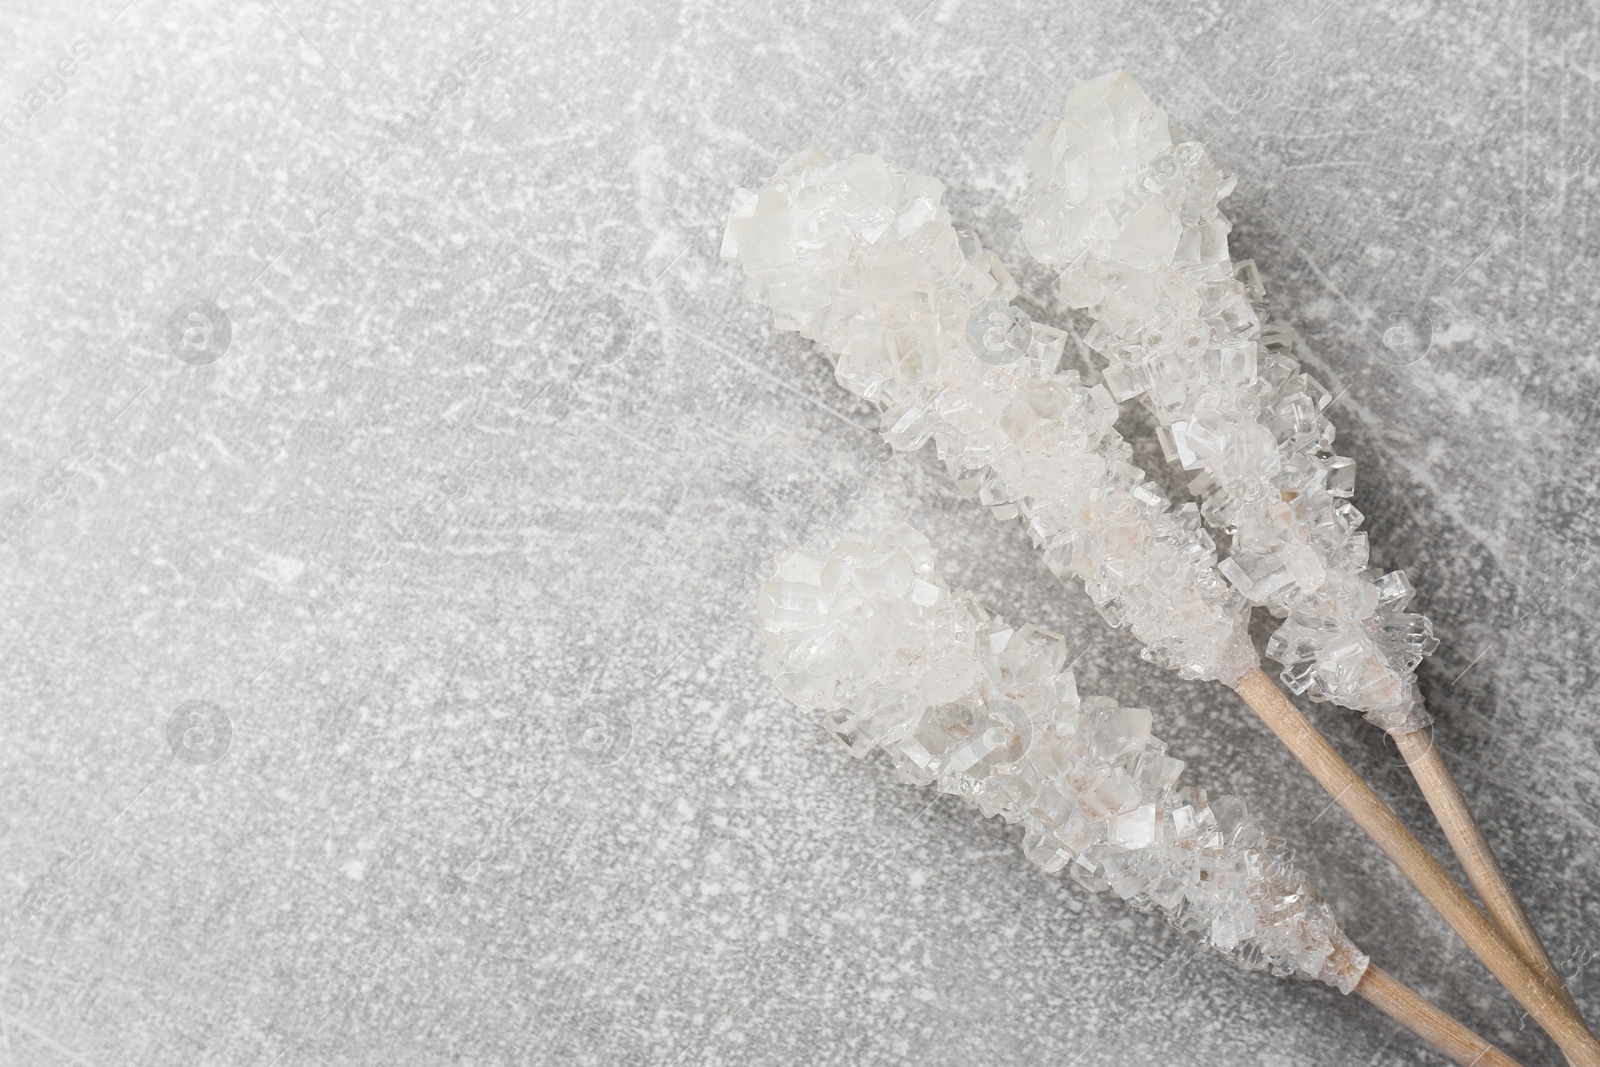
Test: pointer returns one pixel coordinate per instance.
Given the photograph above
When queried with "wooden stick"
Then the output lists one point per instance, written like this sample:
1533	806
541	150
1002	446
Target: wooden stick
1483	870
1381	824
1402	1004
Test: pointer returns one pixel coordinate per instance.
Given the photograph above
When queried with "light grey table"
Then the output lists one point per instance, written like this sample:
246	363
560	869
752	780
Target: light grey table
380	679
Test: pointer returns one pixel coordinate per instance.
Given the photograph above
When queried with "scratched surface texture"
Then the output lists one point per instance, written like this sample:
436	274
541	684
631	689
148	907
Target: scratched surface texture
386	457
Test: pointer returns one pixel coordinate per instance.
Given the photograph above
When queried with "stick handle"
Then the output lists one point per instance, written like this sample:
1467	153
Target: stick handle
1483	870
1381	824
1402	1004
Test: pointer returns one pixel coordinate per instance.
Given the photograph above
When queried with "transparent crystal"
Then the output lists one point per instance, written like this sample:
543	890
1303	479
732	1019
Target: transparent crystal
860	256
959	700
1130	218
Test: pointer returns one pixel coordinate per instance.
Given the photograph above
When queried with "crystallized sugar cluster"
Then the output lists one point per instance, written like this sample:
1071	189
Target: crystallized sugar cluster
861	257
1131	220
870	634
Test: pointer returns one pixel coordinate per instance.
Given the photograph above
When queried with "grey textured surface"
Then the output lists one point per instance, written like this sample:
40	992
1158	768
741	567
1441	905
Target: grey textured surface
410	538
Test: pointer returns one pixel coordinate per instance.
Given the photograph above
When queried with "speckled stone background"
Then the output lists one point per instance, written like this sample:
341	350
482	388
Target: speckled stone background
379	680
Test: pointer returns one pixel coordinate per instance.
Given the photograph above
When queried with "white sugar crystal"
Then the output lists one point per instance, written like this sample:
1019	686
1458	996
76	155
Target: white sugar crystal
959	700
860	256
1130	218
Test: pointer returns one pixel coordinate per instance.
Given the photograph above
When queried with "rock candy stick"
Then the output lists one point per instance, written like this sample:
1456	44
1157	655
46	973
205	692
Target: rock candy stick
1127	210
868	634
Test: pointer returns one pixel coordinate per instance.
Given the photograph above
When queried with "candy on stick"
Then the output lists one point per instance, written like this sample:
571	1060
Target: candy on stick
869	634
862	257
1126	209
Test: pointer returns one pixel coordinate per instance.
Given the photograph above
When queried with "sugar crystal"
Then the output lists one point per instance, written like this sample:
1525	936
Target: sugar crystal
861	257
1127	212
987	712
